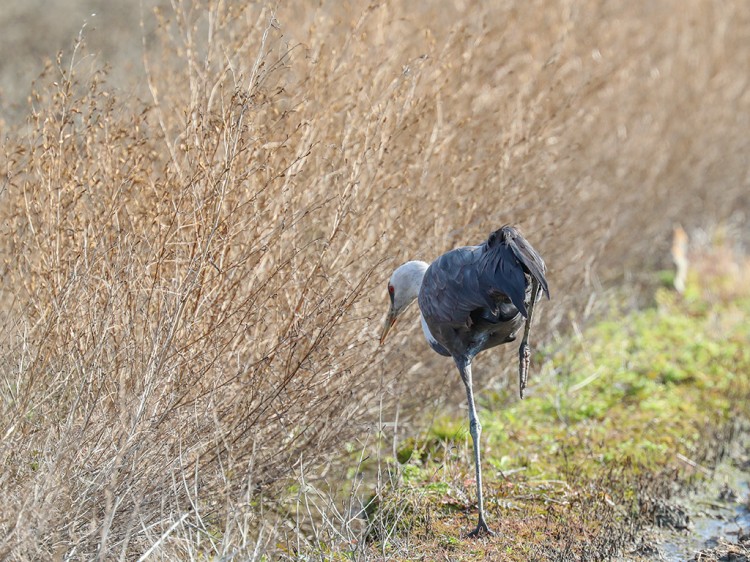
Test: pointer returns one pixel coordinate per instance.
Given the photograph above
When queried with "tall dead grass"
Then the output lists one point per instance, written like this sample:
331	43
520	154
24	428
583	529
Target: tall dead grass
192	283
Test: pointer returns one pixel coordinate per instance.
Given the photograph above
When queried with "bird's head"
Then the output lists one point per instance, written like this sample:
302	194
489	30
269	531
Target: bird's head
403	288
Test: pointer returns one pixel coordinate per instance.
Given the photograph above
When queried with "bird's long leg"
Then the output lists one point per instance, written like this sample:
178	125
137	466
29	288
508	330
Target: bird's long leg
524	354
464	367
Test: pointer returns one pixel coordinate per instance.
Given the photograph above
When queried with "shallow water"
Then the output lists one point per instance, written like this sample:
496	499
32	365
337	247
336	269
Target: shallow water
711	517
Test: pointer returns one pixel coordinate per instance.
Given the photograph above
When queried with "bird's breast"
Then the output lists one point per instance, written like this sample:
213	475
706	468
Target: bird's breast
434	344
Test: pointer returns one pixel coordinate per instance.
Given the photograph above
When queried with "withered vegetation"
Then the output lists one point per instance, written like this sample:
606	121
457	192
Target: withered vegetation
192	282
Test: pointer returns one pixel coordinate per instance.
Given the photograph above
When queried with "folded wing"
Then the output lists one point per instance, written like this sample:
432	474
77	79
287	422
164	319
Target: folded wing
481	283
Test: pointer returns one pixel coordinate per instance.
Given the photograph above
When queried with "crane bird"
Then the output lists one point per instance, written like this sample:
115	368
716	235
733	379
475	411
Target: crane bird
471	299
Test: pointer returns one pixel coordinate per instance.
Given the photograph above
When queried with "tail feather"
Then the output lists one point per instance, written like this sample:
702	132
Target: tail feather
507	250
527	255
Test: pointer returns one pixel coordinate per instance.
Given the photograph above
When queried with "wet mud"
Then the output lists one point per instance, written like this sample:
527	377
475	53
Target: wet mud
708	523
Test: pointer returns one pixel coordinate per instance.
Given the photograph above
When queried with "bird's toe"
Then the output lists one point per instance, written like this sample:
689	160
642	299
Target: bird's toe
482	530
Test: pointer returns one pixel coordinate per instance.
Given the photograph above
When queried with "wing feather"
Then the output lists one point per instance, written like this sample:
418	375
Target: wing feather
476	282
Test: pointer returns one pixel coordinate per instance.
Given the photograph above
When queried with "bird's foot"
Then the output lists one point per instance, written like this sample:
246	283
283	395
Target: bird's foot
524	358
482	529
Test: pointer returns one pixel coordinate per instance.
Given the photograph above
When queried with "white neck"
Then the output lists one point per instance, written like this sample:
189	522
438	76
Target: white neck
407	280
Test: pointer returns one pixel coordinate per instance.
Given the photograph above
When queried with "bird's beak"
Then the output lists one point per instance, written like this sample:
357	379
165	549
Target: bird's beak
390	320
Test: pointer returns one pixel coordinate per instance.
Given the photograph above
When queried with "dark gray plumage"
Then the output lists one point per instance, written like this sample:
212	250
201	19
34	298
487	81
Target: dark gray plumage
471	299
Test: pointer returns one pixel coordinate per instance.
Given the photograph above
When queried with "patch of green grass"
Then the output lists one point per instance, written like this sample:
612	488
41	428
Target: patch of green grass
642	385
448	429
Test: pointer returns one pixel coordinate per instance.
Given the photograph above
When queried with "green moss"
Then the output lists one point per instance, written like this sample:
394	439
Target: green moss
408	451
448	429
448	541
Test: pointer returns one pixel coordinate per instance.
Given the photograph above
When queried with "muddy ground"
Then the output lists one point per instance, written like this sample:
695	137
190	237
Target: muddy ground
708	520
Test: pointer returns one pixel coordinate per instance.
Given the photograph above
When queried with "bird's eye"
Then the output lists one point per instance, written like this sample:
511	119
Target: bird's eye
390	289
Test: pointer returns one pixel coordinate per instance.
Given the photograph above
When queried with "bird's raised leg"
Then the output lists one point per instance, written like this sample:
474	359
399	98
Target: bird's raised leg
464	367
524	353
